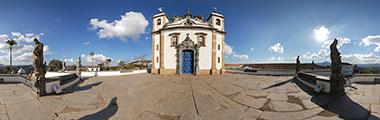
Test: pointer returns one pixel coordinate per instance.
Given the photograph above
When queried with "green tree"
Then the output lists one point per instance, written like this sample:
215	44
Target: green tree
107	62
121	64
55	65
101	66
92	58
11	43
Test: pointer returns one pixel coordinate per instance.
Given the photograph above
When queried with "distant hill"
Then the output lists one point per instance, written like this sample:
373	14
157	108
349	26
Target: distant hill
324	64
368	65
359	65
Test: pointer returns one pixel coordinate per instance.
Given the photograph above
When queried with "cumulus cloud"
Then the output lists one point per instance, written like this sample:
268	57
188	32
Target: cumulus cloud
240	57
98	58
130	26
277	48
369	58
324	51
23	50
321	33
228	51
372	40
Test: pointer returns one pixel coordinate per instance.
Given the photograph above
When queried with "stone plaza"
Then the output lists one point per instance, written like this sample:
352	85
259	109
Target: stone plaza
220	97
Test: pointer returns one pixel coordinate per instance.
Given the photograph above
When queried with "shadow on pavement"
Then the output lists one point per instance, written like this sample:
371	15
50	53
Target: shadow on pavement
86	87
343	106
105	113
277	84
76	88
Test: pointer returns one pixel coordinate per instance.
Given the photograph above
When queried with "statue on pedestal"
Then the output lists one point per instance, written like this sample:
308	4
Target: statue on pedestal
298	64
38	75
63	66
337	80
78	64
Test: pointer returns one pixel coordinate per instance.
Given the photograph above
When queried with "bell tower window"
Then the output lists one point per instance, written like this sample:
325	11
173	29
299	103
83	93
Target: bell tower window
217	21
158	21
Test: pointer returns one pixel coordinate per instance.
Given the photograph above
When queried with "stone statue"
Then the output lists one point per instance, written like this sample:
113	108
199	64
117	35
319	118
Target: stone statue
337	80
38	75
78	64
38	58
298	64
63	67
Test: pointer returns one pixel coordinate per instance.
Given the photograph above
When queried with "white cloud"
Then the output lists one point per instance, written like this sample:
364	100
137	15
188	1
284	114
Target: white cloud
277	48
98	58
341	41
22	51
240	57
252	49
369	58
321	33
87	43
324	53
130	26
372	40
229	51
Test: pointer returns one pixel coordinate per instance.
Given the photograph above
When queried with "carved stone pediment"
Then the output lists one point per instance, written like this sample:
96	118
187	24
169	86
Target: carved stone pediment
188	22
186	44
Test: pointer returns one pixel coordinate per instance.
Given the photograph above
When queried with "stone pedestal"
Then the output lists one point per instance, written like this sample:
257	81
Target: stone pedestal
39	85
337	83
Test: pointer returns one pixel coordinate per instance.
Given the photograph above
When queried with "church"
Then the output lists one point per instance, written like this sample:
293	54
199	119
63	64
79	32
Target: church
188	44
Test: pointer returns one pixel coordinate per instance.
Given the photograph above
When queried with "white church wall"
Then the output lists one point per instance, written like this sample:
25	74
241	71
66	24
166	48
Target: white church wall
170	52
157	52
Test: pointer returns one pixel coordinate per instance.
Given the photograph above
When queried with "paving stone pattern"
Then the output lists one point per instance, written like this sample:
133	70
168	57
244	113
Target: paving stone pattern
155	97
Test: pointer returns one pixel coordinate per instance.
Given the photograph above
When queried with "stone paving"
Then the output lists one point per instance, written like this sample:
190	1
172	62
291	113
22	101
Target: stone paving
155	97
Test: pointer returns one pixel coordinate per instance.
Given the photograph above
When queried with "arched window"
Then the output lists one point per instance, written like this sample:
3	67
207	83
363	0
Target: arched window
218	59
218	46
157	59
157	47
217	21
158	21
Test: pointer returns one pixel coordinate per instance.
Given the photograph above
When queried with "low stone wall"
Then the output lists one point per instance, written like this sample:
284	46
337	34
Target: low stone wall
313	80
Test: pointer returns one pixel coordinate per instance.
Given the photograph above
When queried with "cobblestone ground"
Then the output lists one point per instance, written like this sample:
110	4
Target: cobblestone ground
154	97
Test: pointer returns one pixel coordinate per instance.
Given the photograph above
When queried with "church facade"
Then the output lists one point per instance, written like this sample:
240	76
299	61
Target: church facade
188	44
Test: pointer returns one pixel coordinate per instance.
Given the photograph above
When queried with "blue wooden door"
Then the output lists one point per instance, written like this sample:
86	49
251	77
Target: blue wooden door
187	63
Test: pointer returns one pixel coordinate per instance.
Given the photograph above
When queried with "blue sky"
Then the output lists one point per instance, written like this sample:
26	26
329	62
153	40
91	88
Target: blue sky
257	31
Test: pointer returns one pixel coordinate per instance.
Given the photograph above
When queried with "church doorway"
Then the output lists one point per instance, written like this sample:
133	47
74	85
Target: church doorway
187	61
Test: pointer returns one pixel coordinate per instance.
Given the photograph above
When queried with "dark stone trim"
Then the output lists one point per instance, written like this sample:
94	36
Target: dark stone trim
188	27
187	44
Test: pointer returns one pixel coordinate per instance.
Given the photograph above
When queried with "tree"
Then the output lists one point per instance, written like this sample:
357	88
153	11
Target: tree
121	64
107	62
92	58
11	42
55	65
101	66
